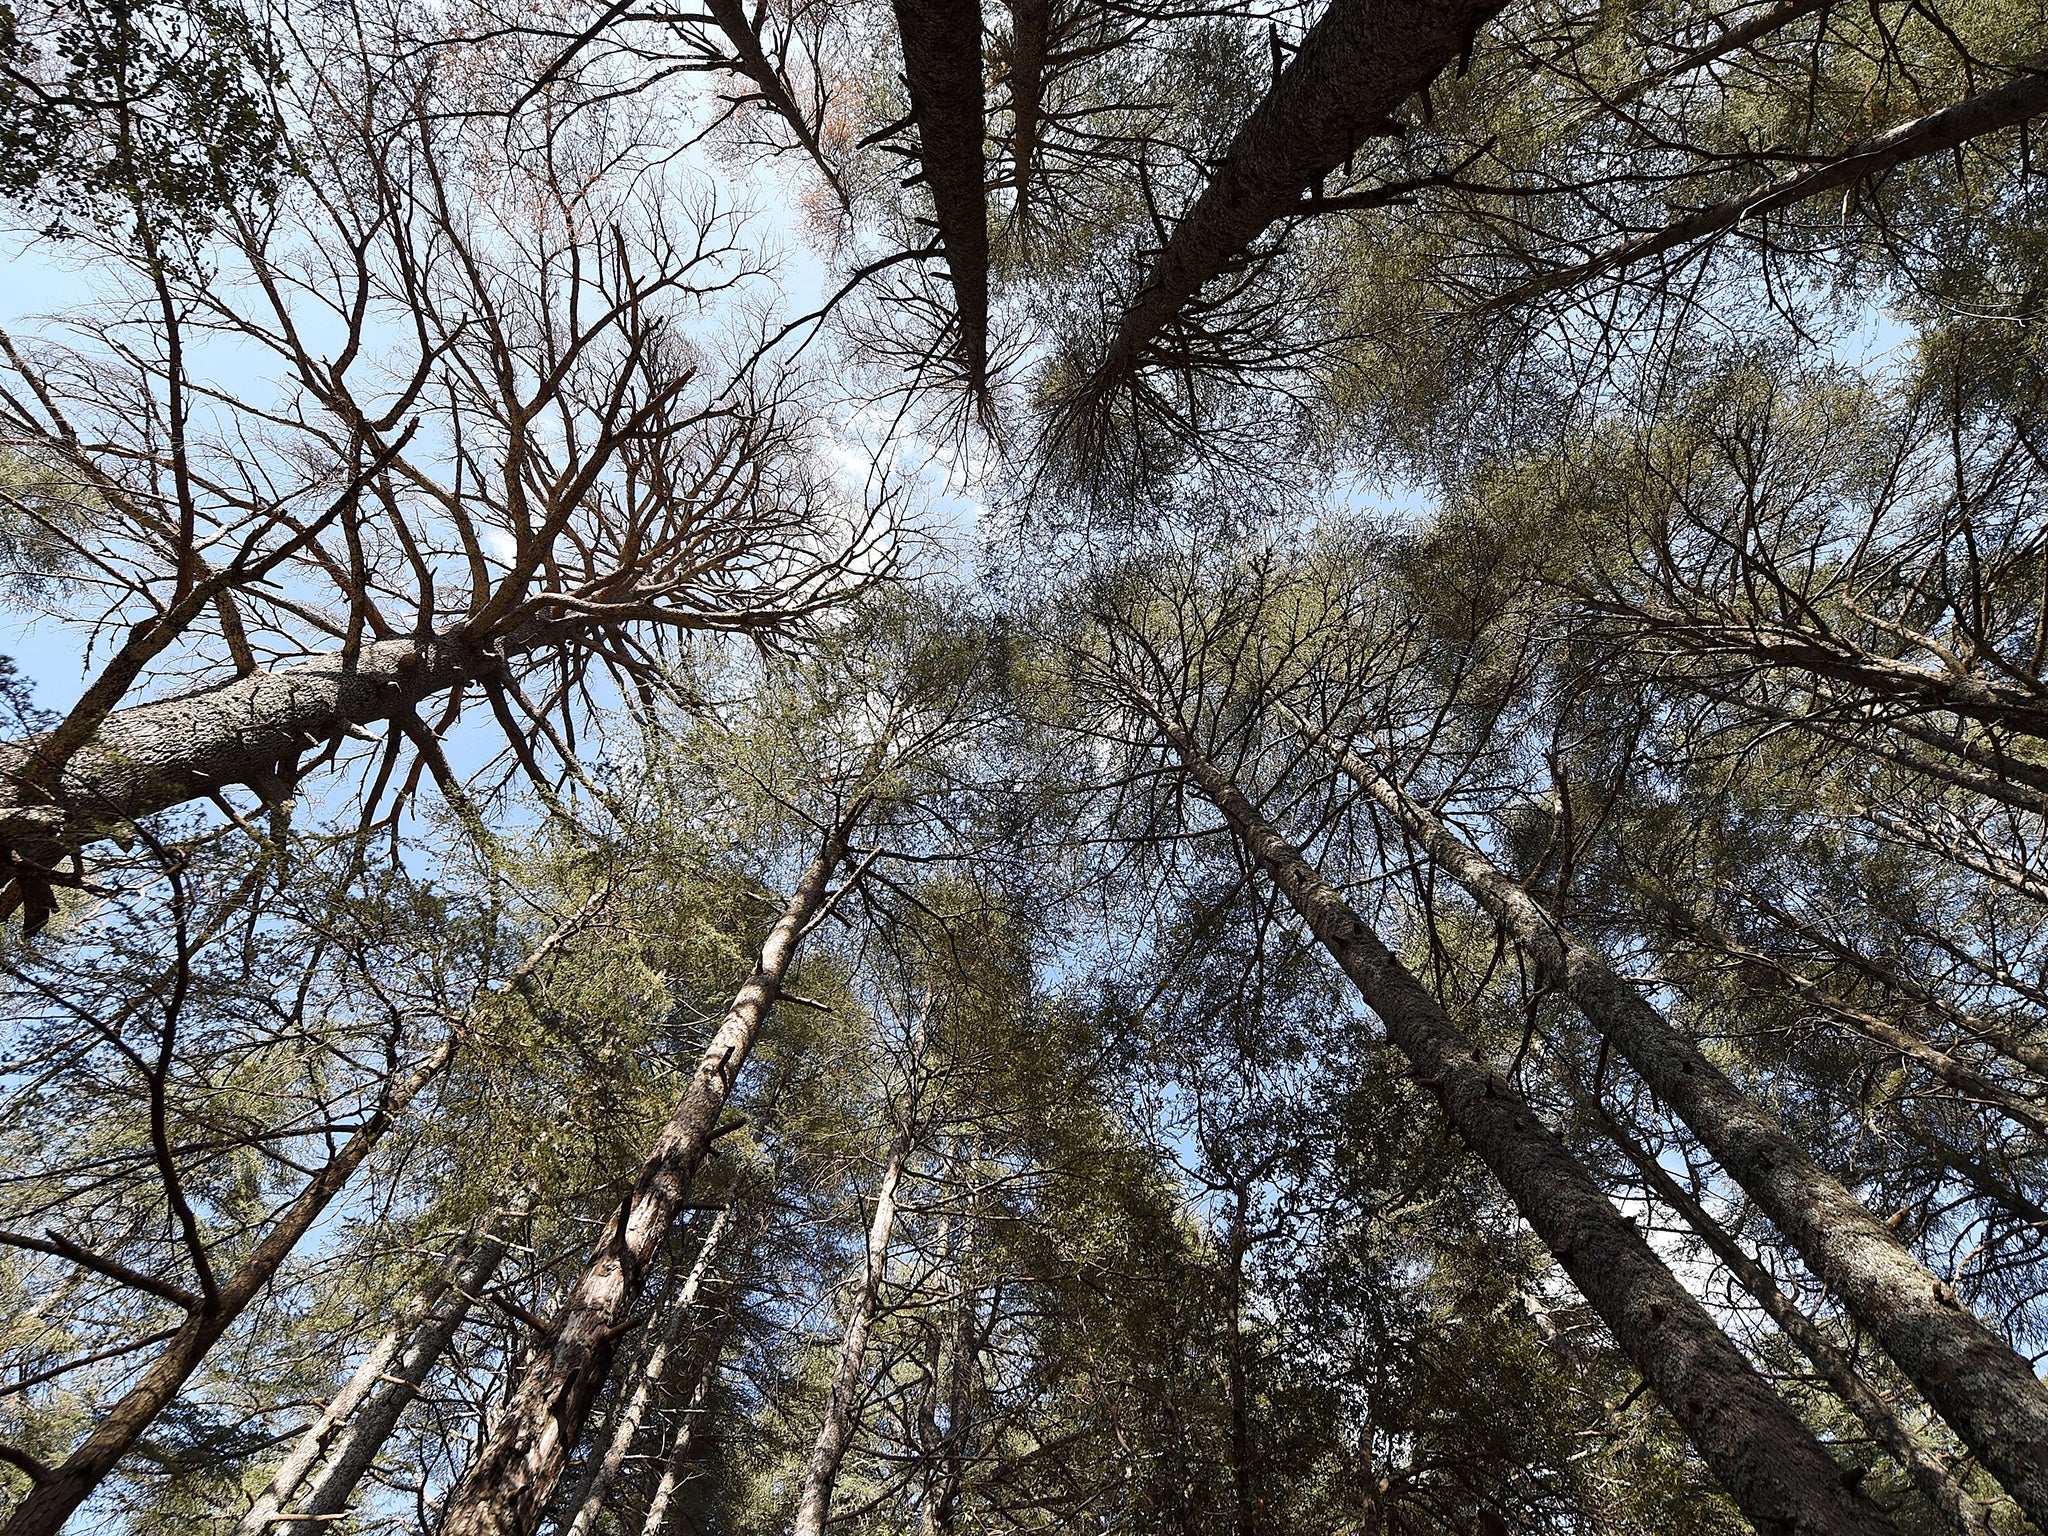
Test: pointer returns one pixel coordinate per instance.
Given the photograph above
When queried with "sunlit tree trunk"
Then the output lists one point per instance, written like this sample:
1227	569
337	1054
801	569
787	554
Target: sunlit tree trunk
343	1443
589	1506
1835	1368
835	1432
512	1479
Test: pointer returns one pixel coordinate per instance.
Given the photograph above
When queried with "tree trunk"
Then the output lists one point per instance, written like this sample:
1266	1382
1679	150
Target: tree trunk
54	1499
1354	69
513	1477
1030	25
149	757
1240	1412
1981	1386
814	1506
1886	1427
346	1439
686	1429
942	63
631	1412
1777	1473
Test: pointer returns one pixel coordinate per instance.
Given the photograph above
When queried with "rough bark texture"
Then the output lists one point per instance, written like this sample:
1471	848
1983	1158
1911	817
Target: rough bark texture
344	1441
1030	24
1354	69
1777	1473
55	1499
2007	106
590	1506
1980	1385
150	757
942	63
508	1486
835	1431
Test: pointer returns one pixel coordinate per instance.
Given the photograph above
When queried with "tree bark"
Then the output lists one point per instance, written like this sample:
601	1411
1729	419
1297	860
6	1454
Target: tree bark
1354	69
942	64
1913	1454
508	1487
590	1506
345	1440
835	1432
1774	1469
149	757
1981	1386
1030	26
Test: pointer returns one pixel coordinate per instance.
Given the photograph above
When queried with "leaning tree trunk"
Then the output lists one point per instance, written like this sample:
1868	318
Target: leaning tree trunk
1913	1454
149	757
2005	106
508	1486
633	1411
814	1506
1981	1386
55	1498
1357	65
942	63
343	1443
1774	1469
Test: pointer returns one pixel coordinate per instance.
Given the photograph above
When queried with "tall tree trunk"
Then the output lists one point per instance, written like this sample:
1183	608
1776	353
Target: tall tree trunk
648	1382
955	1362
1836	1369
835	1432
686	1430
509	1484
55	1497
1030	26
942	63
1240	1411
1981	1386
1357	65
342	1444
1774	1469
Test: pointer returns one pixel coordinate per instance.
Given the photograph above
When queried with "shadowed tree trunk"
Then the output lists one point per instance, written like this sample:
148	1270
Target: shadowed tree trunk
942	63
1354	69
1777	1473
1836	1369
508	1486
1030	25
1985	1390
343	1443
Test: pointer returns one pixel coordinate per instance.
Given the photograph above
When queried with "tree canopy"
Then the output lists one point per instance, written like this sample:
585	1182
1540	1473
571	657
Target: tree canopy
936	769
